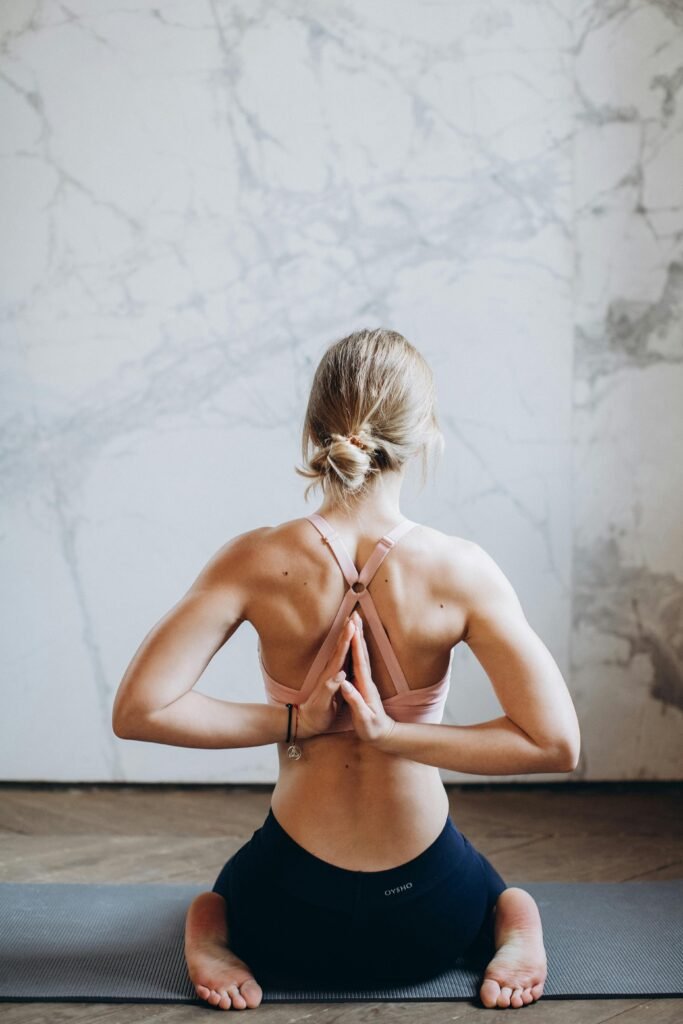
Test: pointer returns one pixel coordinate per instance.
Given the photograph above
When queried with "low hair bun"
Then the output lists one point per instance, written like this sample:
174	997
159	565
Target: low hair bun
349	457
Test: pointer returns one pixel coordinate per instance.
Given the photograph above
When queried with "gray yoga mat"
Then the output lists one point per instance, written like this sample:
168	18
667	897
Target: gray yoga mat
124	943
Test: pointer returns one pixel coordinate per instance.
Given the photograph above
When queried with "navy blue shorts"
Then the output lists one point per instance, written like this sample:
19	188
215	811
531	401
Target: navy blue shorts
299	921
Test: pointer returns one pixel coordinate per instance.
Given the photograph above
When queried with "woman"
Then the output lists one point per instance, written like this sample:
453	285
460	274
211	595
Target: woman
358	874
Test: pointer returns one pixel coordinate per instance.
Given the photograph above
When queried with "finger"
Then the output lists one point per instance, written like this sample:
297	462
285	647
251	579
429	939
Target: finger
363	678
340	650
363	647
329	688
354	698
356	694
337	658
360	670
361	665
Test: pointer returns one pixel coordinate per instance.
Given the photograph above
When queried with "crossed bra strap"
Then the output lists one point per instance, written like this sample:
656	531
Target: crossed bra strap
358	593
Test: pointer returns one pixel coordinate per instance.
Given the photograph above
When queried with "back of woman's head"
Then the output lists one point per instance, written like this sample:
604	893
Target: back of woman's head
372	407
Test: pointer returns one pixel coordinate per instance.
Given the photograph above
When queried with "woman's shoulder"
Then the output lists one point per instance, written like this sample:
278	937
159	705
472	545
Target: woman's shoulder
459	567
449	548
250	549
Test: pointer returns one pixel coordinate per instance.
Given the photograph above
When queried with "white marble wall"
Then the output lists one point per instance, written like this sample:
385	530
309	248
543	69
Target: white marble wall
197	198
627	620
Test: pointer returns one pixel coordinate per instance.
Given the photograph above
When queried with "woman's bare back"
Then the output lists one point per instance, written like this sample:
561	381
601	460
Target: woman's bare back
344	801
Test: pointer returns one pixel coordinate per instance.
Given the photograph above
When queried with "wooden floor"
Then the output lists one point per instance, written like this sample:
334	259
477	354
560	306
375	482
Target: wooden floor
563	832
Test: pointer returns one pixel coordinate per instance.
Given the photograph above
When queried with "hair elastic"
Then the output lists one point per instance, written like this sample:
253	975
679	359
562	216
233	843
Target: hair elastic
293	750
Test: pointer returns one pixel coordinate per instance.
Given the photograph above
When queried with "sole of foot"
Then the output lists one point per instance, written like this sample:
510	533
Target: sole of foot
516	974
219	977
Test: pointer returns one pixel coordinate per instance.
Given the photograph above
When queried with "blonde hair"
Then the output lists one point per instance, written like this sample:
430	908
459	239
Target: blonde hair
372	407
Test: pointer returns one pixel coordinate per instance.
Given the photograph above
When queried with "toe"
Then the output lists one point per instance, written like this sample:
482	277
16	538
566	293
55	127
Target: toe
537	990
516	998
238	1000
252	993
489	992
214	997
225	1001
527	996
504	997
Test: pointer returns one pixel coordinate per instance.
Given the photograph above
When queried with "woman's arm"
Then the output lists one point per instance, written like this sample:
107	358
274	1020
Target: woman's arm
539	731
196	720
498	747
154	701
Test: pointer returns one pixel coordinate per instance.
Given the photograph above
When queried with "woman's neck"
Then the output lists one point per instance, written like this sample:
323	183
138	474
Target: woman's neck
380	505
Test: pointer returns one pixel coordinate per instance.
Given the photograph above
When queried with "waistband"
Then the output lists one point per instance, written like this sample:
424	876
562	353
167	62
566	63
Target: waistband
315	880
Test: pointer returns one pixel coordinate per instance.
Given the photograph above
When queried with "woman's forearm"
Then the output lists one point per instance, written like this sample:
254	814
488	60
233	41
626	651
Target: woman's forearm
498	747
195	720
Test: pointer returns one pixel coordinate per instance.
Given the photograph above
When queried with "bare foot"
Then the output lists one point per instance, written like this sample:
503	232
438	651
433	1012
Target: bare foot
219	977
516	974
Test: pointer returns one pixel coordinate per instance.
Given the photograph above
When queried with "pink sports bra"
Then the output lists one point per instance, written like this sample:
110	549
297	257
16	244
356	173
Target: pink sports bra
425	704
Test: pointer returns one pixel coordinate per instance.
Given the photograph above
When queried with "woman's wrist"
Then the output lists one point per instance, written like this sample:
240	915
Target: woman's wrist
298	729
304	731
387	743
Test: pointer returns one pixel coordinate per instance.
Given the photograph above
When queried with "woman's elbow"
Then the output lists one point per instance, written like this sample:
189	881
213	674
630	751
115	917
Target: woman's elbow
567	757
119	728
124	725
